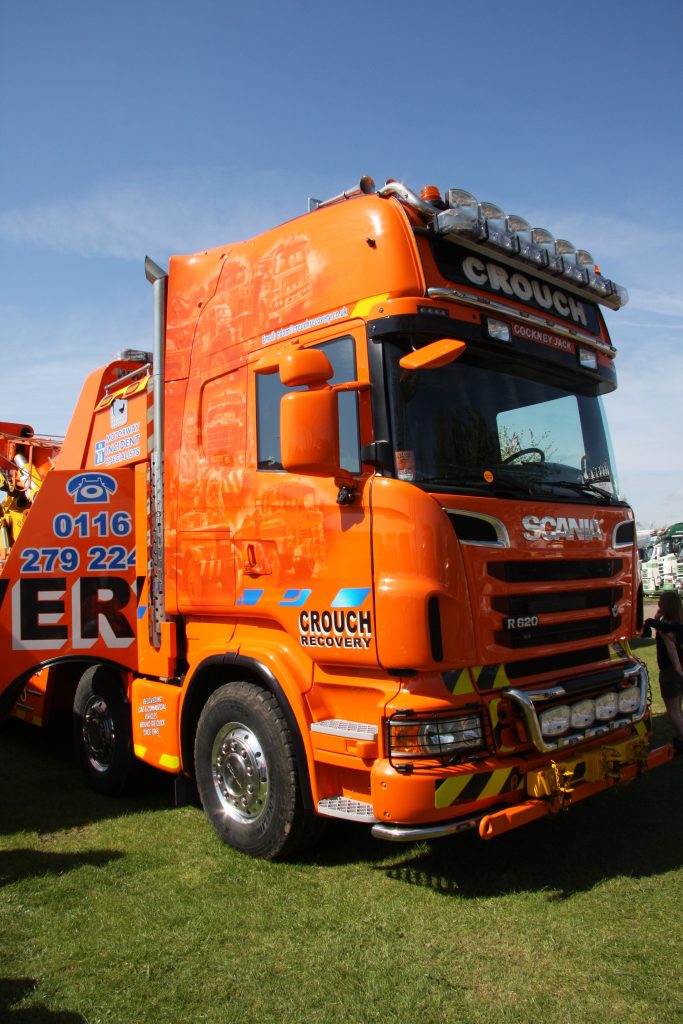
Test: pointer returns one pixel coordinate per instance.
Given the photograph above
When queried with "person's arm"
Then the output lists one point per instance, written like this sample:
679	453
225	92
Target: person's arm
665	628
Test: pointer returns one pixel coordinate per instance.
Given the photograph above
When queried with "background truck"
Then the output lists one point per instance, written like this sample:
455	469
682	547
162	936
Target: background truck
661	565
348	542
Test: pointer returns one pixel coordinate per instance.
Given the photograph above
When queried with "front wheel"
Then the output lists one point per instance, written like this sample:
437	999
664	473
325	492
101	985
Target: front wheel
103	731
246	773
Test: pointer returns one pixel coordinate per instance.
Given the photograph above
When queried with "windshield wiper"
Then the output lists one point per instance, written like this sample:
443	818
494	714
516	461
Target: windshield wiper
583	486
498	488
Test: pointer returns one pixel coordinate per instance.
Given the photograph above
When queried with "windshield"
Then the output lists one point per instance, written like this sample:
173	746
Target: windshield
471	426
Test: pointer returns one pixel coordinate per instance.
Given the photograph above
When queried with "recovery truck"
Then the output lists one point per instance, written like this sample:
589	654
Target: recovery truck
348	542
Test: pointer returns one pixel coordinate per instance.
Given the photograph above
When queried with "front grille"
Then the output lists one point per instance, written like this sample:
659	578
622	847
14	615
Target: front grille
555	662
562	601
552	571
558	633
553	602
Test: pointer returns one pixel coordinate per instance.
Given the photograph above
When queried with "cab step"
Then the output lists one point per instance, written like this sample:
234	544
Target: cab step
343	727
349	810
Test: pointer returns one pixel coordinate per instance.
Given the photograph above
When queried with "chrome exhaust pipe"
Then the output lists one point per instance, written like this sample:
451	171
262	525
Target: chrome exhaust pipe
158	278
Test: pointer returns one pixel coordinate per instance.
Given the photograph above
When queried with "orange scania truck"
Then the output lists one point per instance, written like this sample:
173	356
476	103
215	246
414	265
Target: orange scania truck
349	542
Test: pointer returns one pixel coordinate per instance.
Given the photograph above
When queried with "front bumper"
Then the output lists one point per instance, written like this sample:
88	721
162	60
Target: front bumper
544	790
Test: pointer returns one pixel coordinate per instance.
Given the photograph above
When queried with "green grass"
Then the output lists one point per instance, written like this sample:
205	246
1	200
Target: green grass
131	911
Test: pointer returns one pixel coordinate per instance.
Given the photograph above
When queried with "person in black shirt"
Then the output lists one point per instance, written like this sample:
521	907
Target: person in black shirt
668	626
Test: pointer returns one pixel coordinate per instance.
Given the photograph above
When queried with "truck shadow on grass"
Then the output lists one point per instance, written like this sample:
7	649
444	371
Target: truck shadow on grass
18	863
42	790
14	991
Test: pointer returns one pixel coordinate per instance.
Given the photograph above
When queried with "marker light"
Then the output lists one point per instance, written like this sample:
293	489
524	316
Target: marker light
621	293
496	228
528	250
629	700
431	194
462	216
585	260
520	228
600	285
498	329
588	359
546	241
606	706
583	714
570	267
555	721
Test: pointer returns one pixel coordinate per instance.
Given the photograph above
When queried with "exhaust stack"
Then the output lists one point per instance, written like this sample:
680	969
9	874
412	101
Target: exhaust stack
157	599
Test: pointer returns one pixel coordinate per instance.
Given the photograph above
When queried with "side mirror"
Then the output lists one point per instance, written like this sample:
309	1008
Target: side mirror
307	366
438	353
309	420
309	432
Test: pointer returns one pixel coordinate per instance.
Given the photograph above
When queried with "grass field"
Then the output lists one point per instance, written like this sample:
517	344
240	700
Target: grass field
131	911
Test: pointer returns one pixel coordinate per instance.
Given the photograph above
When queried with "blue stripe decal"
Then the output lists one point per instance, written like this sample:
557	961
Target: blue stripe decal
142	611
295	598
350	597
250	597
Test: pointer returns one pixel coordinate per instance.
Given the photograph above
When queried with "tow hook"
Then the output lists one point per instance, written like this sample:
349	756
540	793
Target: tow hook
563	784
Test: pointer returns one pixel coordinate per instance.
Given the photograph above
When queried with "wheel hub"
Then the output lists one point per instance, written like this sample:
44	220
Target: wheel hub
98	733
240	772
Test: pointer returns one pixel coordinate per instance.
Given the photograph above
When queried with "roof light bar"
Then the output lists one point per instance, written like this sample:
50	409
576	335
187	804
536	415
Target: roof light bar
466	217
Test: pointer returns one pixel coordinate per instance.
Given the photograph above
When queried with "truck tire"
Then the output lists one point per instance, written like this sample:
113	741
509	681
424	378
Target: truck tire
246	774
103	731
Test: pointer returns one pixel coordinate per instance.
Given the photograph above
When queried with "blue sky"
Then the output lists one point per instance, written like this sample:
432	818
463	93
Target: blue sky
136	128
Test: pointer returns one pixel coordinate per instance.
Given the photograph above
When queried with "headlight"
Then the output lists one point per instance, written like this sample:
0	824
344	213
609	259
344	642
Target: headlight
436	737
606	707
629	700
555	721
583	714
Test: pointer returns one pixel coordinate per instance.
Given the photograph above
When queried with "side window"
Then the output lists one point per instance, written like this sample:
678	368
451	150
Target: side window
270	390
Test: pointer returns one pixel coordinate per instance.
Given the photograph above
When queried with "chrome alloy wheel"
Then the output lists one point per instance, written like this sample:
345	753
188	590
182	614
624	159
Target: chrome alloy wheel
240	773
99	735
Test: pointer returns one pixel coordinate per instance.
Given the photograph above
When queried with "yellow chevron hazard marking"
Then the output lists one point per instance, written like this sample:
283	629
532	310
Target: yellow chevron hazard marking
458	682
496	783
363	307
477	786
139	751
490	677
449	790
